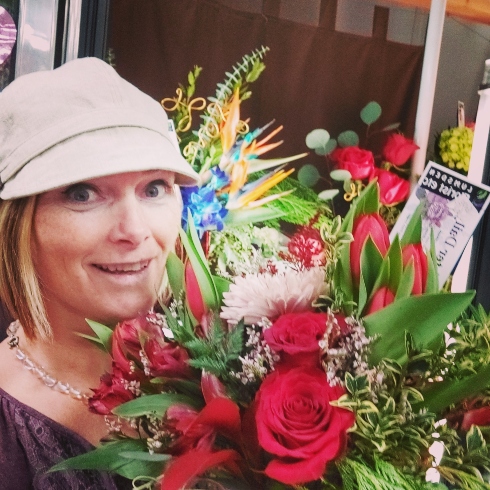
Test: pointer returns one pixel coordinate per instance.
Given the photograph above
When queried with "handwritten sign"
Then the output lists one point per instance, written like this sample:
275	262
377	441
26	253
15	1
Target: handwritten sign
452	206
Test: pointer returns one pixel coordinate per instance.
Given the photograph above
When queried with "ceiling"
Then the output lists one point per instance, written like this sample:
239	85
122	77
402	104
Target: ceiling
473	10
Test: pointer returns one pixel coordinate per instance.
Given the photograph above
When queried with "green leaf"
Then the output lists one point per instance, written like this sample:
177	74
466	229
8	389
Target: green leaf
103	333
175	273
108	458
246	216
327	149
432	272
144	456
406	282
340	175
425	317
308	175
195	254
318	138
348	138
391	127
441	395
328	194
413	231
371	112
371	262
151	404
475	439
222	286
394	255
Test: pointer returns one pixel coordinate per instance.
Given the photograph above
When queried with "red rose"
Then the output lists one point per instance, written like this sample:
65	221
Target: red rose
381	299
398	149
357	161
416	254
298	426
477	416
297	334
367	225
166	359
392	188
112	392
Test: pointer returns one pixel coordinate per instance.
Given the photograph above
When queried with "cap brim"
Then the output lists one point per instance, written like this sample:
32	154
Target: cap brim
96	154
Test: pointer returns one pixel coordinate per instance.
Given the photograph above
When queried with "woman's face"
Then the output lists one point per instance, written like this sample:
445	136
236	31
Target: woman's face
100	246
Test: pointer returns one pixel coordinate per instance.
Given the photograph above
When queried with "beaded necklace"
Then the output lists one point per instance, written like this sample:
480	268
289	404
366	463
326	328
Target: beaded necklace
38	371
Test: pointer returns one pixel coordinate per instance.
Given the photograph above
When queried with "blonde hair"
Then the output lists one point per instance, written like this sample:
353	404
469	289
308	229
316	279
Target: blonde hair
19	284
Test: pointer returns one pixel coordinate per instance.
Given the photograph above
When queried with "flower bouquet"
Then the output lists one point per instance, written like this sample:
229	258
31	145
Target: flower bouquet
340	366
355	165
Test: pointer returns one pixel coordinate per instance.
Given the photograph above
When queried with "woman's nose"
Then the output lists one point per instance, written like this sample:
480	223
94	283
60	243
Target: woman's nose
130	224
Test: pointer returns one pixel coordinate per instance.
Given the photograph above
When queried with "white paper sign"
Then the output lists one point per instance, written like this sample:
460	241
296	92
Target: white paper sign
452	208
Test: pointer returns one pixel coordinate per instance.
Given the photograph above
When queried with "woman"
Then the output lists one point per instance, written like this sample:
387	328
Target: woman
89	211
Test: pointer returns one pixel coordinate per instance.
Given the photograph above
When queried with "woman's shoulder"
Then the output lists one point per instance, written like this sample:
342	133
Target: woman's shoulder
31	443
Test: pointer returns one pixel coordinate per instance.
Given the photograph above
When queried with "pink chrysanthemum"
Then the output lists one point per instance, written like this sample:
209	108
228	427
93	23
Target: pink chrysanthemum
256	296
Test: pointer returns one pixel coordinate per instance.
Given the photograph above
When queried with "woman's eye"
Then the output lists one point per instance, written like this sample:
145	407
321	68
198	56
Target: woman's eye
80	193
157	188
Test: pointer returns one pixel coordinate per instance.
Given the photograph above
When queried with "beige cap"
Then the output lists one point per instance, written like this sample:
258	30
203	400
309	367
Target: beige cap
78	122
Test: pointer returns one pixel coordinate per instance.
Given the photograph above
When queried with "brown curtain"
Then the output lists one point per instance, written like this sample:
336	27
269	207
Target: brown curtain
315	77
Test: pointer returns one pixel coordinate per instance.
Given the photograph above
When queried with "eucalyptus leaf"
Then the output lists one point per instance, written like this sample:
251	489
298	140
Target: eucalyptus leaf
328	148
425	317
340	175
318	138
308	175
371	112
151	404
348	138
328	194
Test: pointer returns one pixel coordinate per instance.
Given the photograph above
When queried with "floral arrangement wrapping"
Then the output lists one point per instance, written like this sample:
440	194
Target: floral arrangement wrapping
328	361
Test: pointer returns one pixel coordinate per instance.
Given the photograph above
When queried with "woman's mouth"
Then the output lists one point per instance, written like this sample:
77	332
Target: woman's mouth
123	268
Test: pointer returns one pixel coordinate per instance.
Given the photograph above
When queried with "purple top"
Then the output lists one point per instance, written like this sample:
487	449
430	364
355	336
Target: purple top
31	443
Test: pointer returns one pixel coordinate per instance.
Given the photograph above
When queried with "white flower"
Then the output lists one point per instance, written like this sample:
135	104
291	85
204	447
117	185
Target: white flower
256	296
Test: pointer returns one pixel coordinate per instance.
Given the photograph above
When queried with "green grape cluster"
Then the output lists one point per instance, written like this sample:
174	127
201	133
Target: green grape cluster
455	147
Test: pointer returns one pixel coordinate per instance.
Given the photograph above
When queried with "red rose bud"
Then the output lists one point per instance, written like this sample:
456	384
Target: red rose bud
166	359
298	426
415	253
381	299
357	161
477	416
112	392
392	188
193	292
296	336
398	149
367	225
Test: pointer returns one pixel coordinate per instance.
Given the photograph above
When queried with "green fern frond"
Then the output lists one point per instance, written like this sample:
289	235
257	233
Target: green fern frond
301	206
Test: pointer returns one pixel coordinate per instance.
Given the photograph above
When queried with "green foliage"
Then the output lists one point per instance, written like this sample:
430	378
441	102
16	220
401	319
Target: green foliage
308	175
110	457
299	207
359	475
466	464
217	350
371	112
